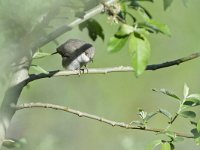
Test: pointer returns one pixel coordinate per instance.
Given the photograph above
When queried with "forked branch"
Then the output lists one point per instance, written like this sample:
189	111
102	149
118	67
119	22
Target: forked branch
93	117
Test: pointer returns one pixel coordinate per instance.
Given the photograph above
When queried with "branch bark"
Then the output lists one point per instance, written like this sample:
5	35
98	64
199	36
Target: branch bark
58	73
11	96
93	117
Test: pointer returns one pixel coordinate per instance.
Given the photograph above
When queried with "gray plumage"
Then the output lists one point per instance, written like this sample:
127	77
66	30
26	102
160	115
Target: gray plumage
76	53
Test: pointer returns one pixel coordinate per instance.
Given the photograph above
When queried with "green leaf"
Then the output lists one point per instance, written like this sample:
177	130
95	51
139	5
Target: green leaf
39	69
193	97
153	144
195	133
193	123
140	50
150	115
167	3
143	13
159	27
94	29
185	91
14	143
188	114
168	93
197	140
192	103
166	113
166	146
172	146
39	54
124	30
192	100
198	126
115	44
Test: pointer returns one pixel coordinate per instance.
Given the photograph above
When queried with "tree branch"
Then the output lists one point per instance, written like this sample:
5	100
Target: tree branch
93	117
57	73
67	27
173	62
18	81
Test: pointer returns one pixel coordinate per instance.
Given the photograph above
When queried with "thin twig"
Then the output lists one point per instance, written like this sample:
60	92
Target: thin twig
57	73
93	117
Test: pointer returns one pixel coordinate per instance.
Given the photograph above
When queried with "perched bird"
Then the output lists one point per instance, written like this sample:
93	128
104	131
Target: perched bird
75	53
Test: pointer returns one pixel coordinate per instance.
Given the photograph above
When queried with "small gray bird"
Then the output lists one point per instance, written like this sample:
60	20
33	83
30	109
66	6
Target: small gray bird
75	54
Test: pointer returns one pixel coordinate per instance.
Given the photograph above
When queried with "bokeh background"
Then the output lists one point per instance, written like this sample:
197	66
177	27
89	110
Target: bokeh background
116	96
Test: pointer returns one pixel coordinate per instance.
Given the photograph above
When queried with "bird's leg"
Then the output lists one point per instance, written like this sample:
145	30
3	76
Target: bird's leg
80	71
86	68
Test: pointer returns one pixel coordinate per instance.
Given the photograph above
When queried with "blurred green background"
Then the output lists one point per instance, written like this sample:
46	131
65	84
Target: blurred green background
116	96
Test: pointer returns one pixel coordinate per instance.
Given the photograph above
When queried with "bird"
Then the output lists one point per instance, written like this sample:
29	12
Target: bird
75	54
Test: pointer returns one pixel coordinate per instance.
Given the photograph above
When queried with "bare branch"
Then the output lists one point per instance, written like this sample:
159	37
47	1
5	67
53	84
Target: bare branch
173	62
110	70
90	116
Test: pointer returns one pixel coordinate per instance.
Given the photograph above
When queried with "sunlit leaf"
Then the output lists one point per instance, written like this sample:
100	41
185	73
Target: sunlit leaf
198	126
116	44
140	50
185	91
188	114
166	146
124	30
159	27
195	97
